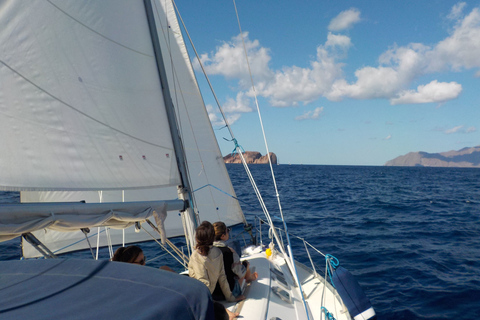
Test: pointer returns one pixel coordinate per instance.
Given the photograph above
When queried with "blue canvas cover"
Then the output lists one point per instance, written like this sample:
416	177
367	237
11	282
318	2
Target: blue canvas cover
353	297
89	289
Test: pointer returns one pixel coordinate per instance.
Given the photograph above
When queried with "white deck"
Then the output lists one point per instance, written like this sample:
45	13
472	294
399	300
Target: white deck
262	302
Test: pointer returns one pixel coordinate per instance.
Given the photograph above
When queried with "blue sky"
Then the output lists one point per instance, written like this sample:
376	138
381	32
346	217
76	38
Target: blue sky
342	82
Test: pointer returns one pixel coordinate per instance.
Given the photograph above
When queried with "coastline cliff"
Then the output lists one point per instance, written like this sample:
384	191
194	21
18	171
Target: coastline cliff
251	157
463	158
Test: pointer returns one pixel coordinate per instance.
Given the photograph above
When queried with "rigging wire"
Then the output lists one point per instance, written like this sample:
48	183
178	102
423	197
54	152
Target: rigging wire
291	263
206	78
237	147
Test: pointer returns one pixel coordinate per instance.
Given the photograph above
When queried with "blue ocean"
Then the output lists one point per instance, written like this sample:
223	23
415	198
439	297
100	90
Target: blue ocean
410	235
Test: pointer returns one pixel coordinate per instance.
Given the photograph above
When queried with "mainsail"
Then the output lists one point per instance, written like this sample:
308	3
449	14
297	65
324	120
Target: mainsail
83	116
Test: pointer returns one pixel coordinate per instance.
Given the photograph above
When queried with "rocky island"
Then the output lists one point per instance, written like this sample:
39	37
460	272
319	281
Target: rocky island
252	157
463	158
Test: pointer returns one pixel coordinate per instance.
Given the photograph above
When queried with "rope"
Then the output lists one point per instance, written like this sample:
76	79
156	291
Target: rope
183	263
328	315
170	244
237	146
332	263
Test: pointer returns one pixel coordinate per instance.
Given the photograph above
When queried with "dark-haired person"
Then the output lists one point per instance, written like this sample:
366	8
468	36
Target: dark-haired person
206	264
133	254
235	271
130	254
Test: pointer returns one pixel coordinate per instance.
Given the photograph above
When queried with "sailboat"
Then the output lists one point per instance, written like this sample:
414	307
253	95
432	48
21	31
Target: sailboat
104	133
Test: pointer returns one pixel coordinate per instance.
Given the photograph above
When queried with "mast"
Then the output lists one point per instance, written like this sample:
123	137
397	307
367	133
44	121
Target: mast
185	190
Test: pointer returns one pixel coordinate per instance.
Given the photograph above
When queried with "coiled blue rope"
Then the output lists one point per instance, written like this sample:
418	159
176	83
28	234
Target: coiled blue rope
328	315
237	146
332	262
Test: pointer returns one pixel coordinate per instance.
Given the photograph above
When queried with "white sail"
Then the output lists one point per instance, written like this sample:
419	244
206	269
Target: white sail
82	114
205	162
80	104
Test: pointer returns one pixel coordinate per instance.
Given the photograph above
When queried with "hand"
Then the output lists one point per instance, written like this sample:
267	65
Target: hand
240	298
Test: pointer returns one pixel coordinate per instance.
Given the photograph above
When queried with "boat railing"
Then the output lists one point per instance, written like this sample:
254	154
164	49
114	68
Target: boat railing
304	252
319	263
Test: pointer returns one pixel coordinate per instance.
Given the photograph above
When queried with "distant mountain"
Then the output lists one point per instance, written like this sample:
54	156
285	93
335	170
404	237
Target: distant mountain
251	157
465	158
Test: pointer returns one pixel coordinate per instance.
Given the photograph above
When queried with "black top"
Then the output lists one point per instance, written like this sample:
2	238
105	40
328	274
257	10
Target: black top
227	265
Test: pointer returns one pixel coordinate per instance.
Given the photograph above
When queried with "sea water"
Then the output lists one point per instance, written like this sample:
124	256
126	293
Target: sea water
411	236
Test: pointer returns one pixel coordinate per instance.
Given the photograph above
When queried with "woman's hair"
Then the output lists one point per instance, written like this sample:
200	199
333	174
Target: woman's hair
205	235
127	254
220	230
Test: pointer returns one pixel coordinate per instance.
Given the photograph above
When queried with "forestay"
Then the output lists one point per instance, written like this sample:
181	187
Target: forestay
82	114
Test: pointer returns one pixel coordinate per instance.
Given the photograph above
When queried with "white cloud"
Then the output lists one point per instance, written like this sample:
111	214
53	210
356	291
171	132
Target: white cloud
457	129
461	50
454	129
239	105
336	40
398	67
433	92
457	11
315	114
284	87
388	137
233	108
229	60
215	119
294	84
345	20
232	118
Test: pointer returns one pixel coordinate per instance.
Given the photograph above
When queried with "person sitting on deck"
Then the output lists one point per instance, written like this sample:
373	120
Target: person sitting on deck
206	264
235	270
130	254
133	254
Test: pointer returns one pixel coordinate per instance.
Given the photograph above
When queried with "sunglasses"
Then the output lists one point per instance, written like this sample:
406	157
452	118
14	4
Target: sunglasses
141	262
